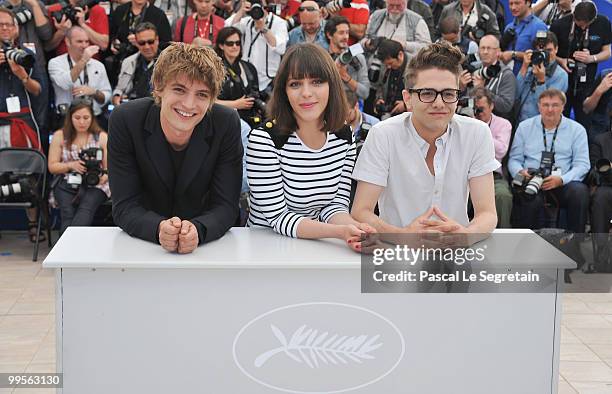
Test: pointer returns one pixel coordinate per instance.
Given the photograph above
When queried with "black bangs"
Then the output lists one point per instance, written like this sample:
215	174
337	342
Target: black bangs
304	62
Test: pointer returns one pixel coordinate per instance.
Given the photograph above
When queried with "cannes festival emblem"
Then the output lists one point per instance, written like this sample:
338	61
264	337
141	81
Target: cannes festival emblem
318	347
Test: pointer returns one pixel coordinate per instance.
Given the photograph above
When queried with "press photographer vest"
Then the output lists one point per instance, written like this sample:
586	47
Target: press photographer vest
410	20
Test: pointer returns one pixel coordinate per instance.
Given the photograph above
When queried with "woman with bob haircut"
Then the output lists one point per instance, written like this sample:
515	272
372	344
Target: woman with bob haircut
299	165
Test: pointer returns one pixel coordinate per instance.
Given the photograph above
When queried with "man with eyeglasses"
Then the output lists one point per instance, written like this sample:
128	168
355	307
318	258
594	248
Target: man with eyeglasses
538	140
312	25
493	75
136	70
77	74
17	125
536	77
420	166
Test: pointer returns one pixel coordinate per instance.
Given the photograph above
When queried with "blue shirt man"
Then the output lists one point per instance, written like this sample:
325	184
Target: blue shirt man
312	27
525	27
567	139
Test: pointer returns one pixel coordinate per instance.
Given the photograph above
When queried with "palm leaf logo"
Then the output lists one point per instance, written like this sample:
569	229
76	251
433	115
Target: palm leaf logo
312	348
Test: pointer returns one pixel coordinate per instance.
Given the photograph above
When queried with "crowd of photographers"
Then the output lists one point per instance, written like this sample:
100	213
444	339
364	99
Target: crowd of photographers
104	53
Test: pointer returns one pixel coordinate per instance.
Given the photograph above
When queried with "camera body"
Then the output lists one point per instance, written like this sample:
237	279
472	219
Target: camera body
257	9
533	186
92	159
467	63
601	175
480	30
18	55
508	38
17	187
539	57
22	13
70	12
490	72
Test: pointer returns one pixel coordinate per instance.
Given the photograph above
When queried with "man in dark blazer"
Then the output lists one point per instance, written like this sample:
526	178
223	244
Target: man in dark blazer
175	160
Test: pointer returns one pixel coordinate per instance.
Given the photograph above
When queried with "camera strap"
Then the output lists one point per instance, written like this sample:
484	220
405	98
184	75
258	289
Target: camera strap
552	145
467	20
387	18
572	39
85	80
197	32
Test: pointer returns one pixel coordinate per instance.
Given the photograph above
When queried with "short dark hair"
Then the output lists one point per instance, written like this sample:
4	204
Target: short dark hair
145	26
332	24
389	49
449	25
307	61
479	93
585	11
440	55
223	35
550	38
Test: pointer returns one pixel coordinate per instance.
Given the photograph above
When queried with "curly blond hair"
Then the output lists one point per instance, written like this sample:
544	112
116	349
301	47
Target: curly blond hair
195	63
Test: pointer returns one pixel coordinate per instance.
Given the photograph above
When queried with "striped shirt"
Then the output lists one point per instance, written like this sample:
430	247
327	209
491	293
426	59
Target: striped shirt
297	182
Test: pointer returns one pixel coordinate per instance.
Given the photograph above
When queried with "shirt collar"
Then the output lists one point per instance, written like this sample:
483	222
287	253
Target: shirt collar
422	144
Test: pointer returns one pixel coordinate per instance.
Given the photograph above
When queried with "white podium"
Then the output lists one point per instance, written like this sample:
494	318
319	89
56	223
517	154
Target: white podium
256	312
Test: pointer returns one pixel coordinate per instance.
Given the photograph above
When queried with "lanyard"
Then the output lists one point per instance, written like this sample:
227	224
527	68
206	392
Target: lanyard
552	146
198	32
572	37
86	77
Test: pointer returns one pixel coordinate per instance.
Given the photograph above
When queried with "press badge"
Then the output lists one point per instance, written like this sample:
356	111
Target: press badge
12	104
31	46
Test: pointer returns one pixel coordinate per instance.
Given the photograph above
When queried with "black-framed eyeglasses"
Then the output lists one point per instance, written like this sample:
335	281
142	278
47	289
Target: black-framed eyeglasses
309	9
142	43
232	43
427	95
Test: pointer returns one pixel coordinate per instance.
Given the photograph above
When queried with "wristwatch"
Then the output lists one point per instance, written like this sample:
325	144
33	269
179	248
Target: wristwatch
513	55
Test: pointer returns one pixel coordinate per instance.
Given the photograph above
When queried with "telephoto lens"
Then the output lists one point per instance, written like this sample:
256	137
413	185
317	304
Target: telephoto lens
19	56
534	185
256	12
345	58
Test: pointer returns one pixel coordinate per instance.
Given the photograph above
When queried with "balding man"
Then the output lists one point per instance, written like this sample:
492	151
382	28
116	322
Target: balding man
311	28
77	74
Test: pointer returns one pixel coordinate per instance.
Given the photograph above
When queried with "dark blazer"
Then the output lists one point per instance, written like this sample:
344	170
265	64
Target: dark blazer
142	179
119	28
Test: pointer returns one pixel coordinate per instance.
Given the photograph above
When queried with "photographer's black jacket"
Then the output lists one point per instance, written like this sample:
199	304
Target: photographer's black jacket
145	187
119	22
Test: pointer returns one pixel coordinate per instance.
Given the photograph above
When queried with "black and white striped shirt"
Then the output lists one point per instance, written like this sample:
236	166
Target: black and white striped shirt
297	182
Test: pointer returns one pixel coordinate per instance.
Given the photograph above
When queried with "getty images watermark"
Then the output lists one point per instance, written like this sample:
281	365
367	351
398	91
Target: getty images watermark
438	263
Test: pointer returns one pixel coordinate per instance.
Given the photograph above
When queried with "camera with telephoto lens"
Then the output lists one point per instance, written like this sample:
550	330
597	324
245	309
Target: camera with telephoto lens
92	160
21	12
467	64
540	54
539	57
257	10
490	72
258	104
337	4
507	38
17	187
480	30
373	44
70	12
18	55
532	187
374	70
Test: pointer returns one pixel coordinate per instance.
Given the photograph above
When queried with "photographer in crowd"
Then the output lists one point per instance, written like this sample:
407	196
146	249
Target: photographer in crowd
353	68
551	10
598	104
240	89
548	160
398	23
501	130
78	158
493	75
311	27
201	27
136	70
476	18
519	35
359	121
17	123
420	166
539	72
584	41
264	39
450	31
358	15
601	202
77	74
423	9
123	22
389	99
86	14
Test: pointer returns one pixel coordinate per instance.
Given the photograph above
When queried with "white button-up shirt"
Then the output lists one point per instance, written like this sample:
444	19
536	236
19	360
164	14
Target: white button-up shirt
59	73
255	48
393	156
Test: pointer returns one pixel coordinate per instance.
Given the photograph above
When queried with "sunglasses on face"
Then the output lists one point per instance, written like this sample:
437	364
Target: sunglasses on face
232	43
309	9
142	43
